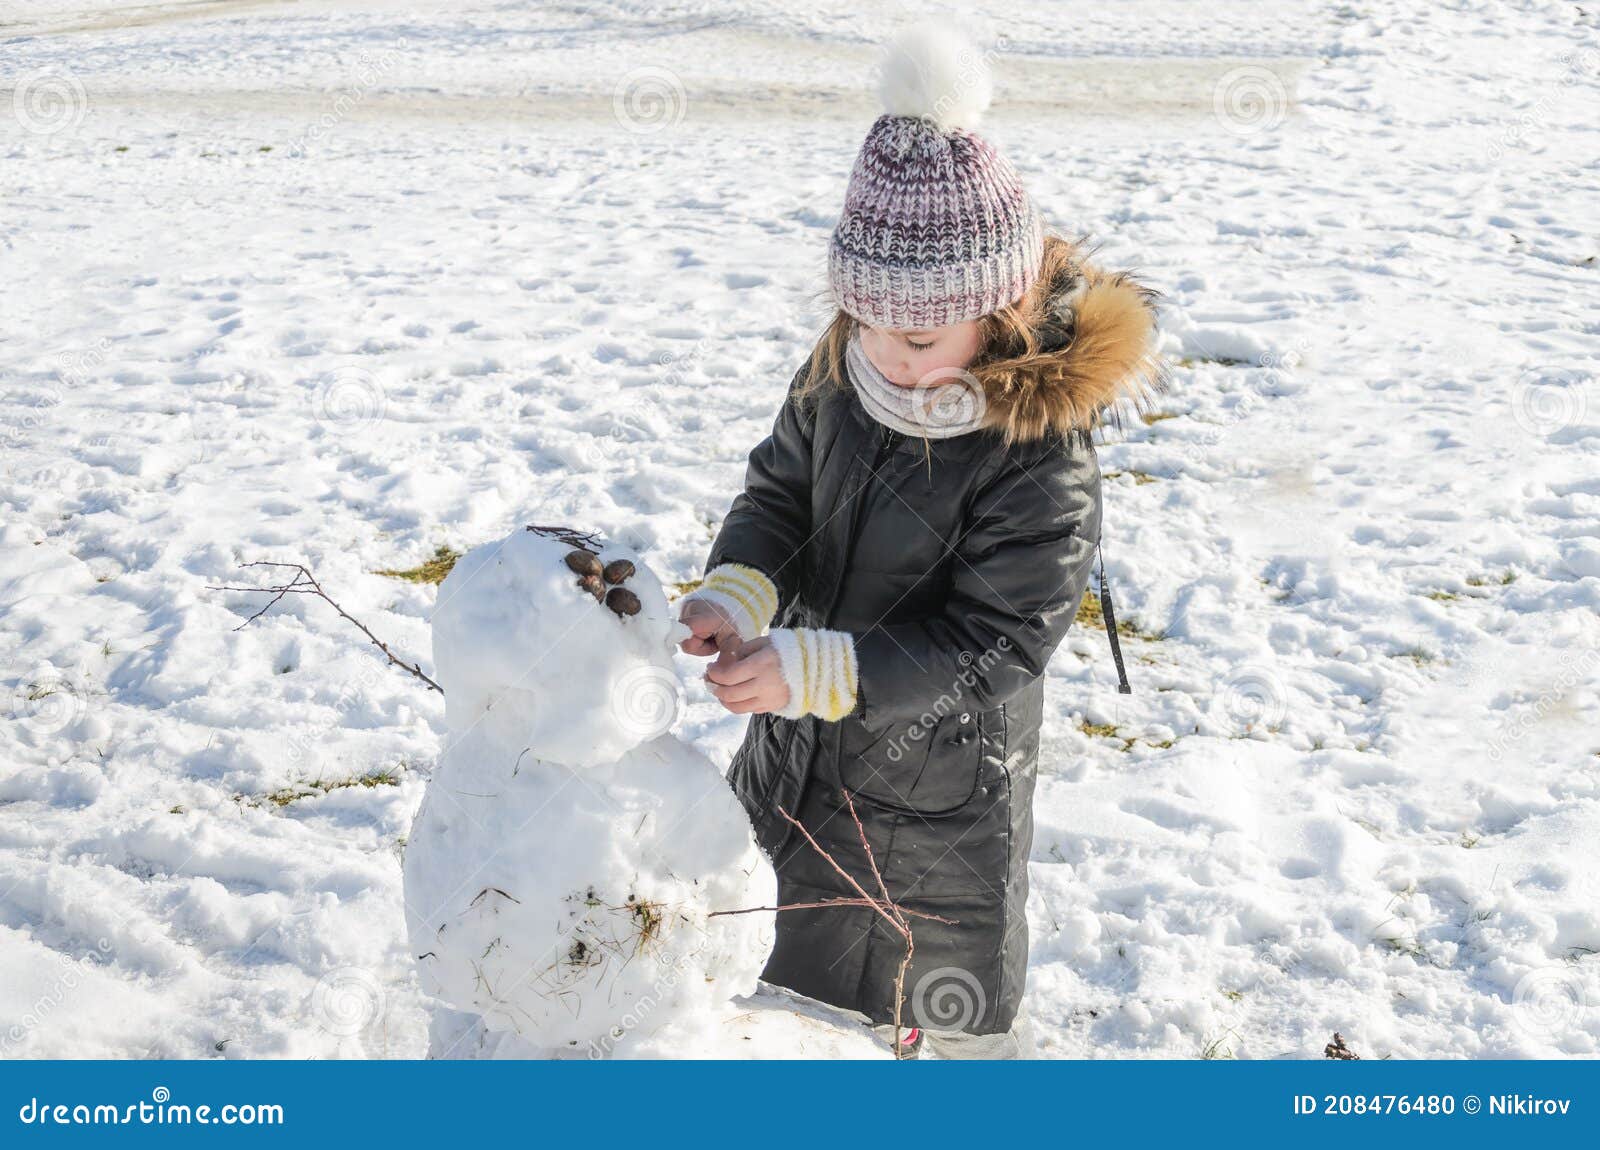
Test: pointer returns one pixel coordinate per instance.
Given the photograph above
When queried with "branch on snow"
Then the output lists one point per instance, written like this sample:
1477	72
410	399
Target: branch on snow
305	583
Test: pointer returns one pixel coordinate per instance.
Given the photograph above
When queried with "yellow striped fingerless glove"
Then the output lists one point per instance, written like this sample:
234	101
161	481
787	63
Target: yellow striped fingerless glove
820	669
748	596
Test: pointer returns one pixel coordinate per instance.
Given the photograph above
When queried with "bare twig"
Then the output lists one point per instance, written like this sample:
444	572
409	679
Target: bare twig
831	861
304	583
899	918
571	536
827	902
885	907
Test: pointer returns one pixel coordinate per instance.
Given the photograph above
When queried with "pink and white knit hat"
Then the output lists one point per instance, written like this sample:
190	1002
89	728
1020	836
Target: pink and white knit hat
936	228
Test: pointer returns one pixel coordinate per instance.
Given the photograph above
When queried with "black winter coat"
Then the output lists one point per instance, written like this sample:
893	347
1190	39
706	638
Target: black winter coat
958	565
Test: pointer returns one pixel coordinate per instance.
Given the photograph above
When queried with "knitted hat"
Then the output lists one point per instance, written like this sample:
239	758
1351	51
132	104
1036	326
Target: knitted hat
936	227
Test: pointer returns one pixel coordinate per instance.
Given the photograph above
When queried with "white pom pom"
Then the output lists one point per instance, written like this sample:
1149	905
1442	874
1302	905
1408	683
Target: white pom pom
935	72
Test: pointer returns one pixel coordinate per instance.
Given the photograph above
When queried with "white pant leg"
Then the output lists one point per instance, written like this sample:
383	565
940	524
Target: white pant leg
1016	1043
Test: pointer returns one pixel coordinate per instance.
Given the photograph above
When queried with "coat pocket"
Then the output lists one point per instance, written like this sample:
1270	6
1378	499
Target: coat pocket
914	768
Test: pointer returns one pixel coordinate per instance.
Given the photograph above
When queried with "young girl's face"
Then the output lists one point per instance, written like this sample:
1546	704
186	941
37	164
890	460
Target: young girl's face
908	358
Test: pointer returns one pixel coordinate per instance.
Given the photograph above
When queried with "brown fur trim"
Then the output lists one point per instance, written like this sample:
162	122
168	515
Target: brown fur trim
1101	361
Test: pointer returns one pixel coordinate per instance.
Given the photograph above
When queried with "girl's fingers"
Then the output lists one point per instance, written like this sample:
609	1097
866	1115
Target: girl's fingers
750	707
740	661
703	619
743	693
734	671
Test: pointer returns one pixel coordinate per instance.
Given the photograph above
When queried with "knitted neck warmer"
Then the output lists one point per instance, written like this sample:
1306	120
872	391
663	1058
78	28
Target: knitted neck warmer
939	411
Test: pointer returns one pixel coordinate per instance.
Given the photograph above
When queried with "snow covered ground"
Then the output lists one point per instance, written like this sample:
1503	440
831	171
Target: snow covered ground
341	281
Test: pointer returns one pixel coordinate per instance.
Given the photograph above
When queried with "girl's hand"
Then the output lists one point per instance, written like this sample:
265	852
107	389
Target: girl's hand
748	677
710	624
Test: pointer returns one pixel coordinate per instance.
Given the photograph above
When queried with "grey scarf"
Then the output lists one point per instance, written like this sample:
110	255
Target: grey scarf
940	410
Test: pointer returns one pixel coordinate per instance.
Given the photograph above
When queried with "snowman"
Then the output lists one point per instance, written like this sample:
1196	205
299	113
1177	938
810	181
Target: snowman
564	869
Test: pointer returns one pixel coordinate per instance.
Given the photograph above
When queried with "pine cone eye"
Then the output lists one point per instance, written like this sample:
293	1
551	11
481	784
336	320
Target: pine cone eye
622	601
584	562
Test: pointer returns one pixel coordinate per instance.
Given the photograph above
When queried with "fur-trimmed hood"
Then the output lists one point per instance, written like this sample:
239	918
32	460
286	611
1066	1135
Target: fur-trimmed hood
1096	356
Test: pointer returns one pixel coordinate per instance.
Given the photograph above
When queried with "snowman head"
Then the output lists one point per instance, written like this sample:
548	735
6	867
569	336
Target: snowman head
557	644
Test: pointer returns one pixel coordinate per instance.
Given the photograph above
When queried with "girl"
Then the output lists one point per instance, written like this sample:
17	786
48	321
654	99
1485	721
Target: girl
921	523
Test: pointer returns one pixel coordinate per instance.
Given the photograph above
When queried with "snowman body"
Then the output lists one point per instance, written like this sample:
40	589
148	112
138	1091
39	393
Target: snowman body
564	869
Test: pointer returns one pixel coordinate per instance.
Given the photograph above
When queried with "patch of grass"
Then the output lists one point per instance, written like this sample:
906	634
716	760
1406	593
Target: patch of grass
1090	616
1140	478
1233	995
1099	730
1506	577
647	919
433	571
1418	655
686	586
1111	731
281	797
1468	840
1220	1047
294	792
1219	360
1089	613
1409	947
1153	417
1443	596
